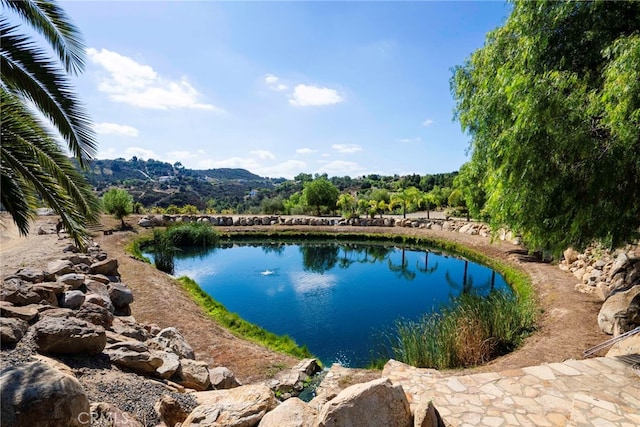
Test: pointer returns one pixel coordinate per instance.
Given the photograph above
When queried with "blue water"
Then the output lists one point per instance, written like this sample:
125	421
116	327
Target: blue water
335	298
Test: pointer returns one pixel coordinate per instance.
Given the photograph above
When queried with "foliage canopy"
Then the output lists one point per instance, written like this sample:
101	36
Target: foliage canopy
552	103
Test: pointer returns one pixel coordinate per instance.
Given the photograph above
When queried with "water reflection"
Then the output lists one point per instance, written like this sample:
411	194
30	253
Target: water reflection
332	296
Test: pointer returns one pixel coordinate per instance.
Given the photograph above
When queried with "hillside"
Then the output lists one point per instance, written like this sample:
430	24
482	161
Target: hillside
155	183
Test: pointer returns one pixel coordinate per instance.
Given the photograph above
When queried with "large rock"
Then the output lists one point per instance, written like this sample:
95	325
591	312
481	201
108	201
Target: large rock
108	267
193	374
93	313
12	330
629	345
290	413
60	267
31	275
620	312
73	280
132	330
426	415
36	395
106	414
26	313
72	299
222	378
571	255
68	336
170	364
241	406
120	294
133	355
169	410
15	291
171	339
376	403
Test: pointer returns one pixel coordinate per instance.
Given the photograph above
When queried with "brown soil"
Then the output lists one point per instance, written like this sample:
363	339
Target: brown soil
568	324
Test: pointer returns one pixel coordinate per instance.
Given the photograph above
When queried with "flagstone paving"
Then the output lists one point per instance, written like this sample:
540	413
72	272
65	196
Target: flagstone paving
592	392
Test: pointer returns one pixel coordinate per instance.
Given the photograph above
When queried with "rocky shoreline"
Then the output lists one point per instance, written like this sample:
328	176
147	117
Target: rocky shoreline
71	326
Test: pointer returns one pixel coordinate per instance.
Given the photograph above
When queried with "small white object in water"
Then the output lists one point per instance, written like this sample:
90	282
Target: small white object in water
267	273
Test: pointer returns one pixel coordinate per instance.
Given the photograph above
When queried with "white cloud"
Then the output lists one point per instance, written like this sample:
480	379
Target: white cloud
136	84
115	129
272	81
310	282
180	155
263	154
305	151
341	167
232	162
287	169
346	148
427	123
409	140
305	96
141	153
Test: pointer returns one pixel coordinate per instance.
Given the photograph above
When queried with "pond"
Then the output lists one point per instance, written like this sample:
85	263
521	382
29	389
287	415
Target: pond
337	298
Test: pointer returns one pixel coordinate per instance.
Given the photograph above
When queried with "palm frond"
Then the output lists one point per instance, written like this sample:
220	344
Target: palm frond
27	70
50	20
33	162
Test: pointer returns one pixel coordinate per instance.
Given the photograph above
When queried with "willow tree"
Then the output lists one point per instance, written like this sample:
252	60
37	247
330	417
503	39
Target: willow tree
552	104
39	113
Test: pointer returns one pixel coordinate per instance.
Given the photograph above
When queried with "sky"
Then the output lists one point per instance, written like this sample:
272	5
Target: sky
280	88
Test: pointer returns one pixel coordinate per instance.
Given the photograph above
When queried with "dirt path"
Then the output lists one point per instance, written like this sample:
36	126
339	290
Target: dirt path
568	324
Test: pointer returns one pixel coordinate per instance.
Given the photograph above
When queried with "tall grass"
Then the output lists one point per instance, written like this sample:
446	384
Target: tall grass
166	243
239	326
472	331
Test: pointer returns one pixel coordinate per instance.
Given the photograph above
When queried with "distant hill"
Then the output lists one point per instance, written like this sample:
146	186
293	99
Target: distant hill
155	183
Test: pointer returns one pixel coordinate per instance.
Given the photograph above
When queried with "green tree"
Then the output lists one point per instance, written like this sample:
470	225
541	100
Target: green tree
470	182
405	198
552	102
347	203
39	110
320	192
119	203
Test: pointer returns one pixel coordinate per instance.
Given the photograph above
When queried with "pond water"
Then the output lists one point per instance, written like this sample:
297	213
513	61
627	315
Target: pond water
336	298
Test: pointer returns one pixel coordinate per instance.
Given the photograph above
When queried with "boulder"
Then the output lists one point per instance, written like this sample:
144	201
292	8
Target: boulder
61	313
95	314
629	345
72	299
31	275
222	378
133	330
133	355
170	363
37	395
240	406
169	410
106	414
426	415
77	258
68	336
171	339
620	312
290	413
60	267
26	313
101	300
107	267
570	255
377	402
193	374
15	291
120	294
12	330
73	280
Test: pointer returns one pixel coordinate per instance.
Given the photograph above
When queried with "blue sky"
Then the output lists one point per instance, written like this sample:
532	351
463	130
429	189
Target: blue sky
279	88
